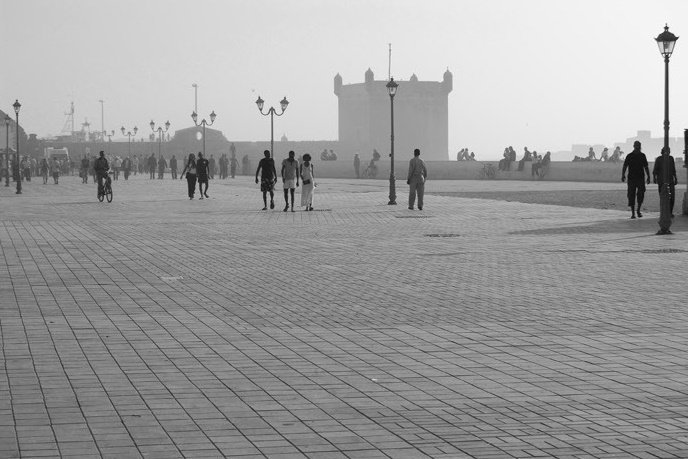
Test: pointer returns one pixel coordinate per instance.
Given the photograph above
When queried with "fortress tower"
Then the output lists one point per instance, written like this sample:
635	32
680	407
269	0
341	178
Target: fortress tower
421	117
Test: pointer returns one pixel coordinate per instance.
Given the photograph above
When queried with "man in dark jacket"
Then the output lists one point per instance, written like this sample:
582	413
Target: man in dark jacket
658	176
636	163
152	163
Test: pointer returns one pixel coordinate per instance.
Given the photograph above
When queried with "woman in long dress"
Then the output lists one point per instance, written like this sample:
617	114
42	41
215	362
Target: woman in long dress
307	181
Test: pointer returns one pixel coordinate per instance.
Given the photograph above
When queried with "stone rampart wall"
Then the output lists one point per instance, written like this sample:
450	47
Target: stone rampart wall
465	170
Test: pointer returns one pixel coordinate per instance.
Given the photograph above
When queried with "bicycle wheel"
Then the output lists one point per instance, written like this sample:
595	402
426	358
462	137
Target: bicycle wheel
108	193
491	173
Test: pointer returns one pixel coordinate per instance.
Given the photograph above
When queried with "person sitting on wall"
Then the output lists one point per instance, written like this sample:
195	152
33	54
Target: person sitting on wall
504	162
616	155
591	155
527	156
544	165
324	156
459	155
604	156
472	157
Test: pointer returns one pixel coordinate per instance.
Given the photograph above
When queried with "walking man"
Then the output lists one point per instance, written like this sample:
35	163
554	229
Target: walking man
233	164
290	179
152	162
658	176
417	173
357	165
267	179
162	164
173	167
636	163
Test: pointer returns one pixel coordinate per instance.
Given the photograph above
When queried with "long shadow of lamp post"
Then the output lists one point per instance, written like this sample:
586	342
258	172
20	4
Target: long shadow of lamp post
204	123
666	41
392	88
160	133
17	106
7	150
284	103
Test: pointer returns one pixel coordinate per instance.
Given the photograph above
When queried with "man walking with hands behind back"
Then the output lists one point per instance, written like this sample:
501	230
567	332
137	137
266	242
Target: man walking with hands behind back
417	174
636	163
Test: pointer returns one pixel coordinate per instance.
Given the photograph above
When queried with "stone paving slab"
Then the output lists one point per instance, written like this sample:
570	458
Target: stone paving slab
160	327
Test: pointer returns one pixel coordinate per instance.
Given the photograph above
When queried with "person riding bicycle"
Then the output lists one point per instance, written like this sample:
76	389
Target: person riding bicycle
101	167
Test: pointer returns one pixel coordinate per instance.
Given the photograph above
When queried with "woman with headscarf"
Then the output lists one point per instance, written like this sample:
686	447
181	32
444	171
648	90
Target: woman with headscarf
190	169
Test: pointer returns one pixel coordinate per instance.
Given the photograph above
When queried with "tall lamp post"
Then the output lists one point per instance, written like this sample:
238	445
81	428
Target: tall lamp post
392	88
17	106
666	41
284	103
129	134
7	150
160	133
194	116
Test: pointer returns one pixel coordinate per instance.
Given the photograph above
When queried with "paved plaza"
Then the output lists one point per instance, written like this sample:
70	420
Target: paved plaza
161	327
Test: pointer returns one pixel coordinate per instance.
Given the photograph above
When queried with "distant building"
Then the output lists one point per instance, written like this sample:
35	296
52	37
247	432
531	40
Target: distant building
652	147
421	117
190	140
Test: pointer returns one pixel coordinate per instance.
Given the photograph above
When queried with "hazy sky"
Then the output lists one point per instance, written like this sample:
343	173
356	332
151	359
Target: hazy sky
541	73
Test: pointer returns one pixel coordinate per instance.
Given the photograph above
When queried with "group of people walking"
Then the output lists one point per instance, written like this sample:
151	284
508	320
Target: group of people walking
639	176
292	173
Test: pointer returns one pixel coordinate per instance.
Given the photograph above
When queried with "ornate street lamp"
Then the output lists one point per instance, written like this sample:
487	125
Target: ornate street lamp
109	136
17	106
392	88
129	134
160	133
7	150
666	41
283	103
194	116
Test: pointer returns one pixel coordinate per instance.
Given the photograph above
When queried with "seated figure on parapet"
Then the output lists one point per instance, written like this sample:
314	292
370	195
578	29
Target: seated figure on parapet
591	155
539	167
616	155
604	156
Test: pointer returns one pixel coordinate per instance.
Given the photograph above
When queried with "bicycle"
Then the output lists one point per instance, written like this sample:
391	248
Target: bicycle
370	171
488	172
107	189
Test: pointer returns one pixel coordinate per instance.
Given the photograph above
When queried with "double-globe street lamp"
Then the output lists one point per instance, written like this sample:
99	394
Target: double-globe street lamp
204	123
109	136
129	134
17	106
284	103
160	133
7	150
392	89
666	41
